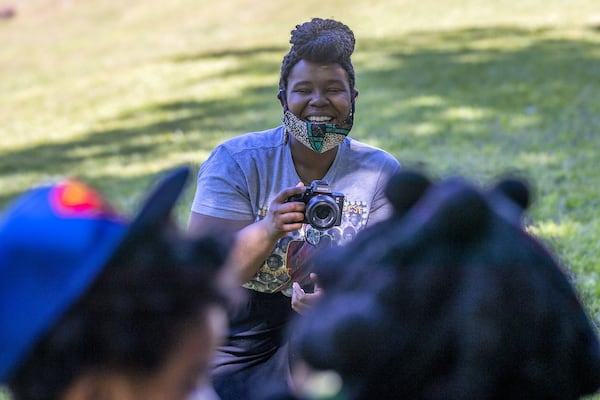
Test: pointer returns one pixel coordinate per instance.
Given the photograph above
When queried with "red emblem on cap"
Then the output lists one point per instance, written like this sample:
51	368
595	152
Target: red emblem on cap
73	197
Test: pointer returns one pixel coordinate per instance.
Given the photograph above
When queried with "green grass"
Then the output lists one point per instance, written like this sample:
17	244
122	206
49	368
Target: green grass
116	93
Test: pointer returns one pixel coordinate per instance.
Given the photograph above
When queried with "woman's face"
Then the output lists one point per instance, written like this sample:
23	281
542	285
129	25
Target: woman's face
318	92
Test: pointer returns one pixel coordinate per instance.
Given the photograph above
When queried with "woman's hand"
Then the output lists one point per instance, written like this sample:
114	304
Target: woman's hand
302	301
254	242
282	216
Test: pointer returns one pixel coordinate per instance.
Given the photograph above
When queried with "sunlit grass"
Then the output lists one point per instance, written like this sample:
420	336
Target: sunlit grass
118	93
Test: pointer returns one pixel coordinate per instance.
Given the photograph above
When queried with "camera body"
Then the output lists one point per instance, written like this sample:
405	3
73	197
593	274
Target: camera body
323	207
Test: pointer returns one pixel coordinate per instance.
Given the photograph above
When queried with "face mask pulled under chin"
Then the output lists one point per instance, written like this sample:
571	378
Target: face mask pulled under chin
316	136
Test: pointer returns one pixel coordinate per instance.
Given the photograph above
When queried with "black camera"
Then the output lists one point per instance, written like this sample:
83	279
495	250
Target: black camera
323	207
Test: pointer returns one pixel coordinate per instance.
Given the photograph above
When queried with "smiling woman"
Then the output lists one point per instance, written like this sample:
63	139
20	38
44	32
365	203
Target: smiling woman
150	85
249	185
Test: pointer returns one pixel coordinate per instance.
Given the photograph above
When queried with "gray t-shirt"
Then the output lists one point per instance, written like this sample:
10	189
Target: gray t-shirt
242	176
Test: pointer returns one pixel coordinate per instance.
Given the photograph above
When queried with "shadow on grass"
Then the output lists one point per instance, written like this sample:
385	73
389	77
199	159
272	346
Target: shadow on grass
473	97
186	126
238	53
433	77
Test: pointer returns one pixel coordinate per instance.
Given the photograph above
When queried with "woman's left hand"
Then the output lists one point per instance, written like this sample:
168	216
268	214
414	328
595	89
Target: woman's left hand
302	301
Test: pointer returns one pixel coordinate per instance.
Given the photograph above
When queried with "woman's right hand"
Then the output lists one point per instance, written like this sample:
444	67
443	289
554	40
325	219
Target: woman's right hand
283	216
256	241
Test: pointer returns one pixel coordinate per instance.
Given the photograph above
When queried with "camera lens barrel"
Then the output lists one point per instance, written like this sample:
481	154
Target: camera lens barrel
321	212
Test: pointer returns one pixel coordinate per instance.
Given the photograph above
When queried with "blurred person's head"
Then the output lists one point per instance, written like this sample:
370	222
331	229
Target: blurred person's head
93	305
450	298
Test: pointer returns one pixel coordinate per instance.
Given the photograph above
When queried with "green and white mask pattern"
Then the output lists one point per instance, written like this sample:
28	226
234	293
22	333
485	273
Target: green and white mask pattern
318	137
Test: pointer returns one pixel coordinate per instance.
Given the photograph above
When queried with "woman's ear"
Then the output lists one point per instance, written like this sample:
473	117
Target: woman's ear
355	92
281	97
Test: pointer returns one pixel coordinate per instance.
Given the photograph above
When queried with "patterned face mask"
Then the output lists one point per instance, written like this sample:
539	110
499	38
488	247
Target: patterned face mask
318	137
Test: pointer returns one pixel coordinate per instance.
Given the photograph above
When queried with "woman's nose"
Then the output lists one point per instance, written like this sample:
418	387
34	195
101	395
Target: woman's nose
319	98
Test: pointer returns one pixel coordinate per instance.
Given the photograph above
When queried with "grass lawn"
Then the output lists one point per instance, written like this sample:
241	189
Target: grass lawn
116	92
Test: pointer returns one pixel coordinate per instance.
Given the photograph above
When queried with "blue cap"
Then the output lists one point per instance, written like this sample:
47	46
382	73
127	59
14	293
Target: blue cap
54	241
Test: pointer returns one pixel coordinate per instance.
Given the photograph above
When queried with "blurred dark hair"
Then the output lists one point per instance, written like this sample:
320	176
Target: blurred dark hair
320	40
450	298
132	316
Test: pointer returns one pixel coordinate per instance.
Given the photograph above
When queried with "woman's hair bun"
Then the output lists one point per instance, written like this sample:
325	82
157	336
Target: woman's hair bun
323	39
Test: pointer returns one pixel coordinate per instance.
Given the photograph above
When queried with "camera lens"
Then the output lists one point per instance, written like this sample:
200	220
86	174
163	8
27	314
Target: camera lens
321	212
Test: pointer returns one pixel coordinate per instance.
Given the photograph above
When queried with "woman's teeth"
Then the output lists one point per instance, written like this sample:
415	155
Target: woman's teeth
319	119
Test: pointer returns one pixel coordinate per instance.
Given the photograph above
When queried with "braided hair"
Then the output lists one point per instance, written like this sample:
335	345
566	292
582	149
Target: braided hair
320	40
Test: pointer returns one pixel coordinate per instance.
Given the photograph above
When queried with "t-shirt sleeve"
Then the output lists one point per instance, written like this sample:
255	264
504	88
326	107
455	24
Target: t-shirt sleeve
381	207
222	188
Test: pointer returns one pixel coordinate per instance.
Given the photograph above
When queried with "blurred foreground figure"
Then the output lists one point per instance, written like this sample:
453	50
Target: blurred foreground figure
448	299
93	306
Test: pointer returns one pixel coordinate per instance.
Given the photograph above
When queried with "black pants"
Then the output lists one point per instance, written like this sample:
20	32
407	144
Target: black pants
254	360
